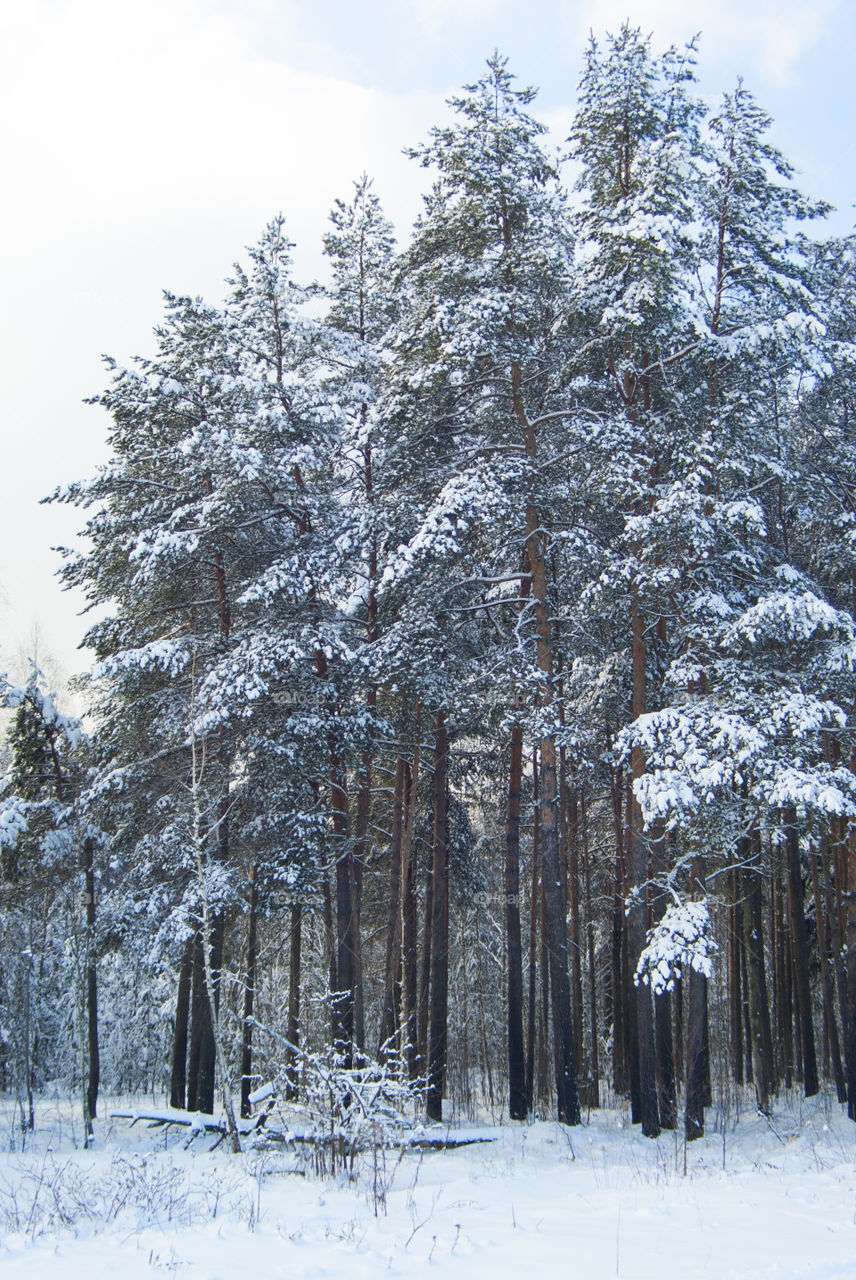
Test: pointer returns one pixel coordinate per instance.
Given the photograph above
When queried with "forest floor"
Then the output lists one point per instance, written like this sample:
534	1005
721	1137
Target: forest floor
755	1198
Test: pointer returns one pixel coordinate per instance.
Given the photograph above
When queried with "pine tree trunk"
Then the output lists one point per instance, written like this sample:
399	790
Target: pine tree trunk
746	1022
735	993
800	952
830	1023
293	1035
532	1001
637	918
781	970
839	971
438	1024
249	998
696	1041
409	922
178	1075
594	1092
198	1005
573	877
330	946
850	1036
618	985
666	1085
425	976
517	1107
93	1056
357	870
695	1056
756	981
392	967
545	1039
202	1070
345	966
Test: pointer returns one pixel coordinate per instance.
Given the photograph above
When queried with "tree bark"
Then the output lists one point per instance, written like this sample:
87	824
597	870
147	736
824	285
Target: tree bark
665	1059
594	1092
293	1001
178	1076
696	1046
829	1018
409	922
343	1002
516	1067
735	994
637	917
850	934
532	1002
392	967
756	984
249	997
93	1056
438	1025
202	1066
618	964
800	952
425	976
572	837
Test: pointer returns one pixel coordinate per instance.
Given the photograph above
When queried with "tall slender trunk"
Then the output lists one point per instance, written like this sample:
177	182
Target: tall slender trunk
516	1065
93	1055
572	839
197	1012
781	987
734	918
850	935
696	1041
357	870
532	1001
594	1073
637	917
831	1025
293	1001
392	968
178	1075
425	976
330	948
438	1024
618	984
409	921
664	1049
343	1002
756	979
800	951
201	1072
249	996
839	970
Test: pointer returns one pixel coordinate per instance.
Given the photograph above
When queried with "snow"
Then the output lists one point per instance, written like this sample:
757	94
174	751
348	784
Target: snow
681	939
758	1199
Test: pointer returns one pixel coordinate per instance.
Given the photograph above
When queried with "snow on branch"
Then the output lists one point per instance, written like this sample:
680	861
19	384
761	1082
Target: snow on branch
681	939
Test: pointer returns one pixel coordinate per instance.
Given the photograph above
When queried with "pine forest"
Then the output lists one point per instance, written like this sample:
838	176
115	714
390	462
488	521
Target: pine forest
470	729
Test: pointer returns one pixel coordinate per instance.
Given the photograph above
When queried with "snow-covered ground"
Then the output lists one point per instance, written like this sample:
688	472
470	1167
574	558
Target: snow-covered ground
758	1198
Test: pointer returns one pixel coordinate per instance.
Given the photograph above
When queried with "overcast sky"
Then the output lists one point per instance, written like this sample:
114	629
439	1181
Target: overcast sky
145	142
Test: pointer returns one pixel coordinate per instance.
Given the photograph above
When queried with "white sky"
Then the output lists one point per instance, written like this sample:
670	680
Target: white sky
145	142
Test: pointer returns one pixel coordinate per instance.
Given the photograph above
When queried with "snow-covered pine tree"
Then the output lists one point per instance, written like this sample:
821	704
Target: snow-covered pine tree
360	251
724	509
635	137
477	397
48	912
